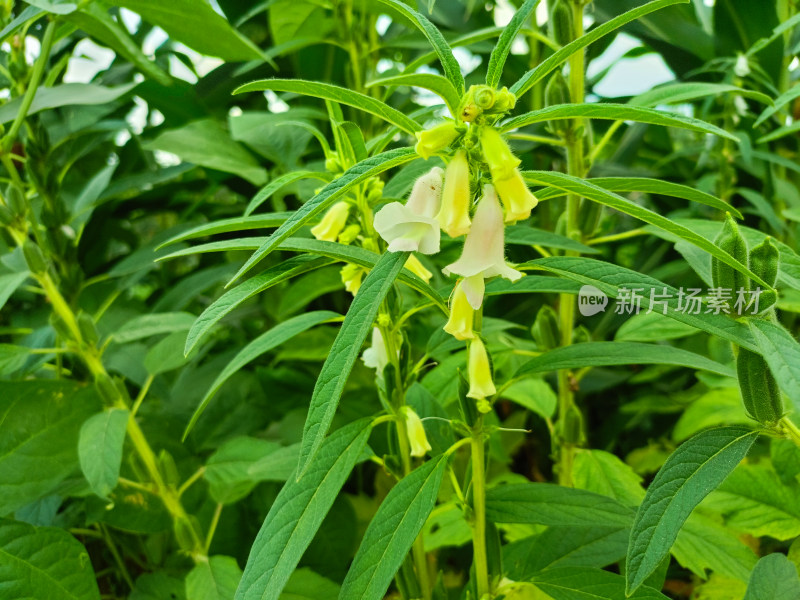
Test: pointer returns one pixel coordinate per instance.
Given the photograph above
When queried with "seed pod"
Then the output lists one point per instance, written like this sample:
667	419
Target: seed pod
561	23
760	394
6	216
557	92
88	329
722	275
34	257
16	200
589	215
572	427
764	260
545	330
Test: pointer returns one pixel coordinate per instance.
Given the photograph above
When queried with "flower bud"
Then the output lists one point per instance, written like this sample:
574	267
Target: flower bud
332	223
349	234
483	96
417	268
479	371
546	330
34	257
433	140
459	325
504	100
416	432
351	277
454	215
497	154
517	198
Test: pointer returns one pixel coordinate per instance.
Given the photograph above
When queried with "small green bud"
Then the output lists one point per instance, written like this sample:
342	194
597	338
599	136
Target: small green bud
760	394
557	92
34	257
724	276
572	427
764	261
561	23
88	329
16	200
333	164
6	216
107	388
546	332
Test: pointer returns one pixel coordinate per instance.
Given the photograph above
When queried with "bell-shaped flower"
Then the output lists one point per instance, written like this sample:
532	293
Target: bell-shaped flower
483	255
418	269
516	197
376	356
454	214
413	226
459	325
332	223
479	371
416	432
431	141
351	277
497	154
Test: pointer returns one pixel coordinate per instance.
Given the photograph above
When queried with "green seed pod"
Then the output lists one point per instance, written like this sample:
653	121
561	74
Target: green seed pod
545	329
34	257
724	276
572	427
589	215
561	23
108	390
760	394
16	200
557	92
6	216
88	329
764	260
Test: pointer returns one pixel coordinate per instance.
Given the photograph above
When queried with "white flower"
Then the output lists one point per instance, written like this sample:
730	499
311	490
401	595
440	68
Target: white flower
376	357
484	250
413	226
741	68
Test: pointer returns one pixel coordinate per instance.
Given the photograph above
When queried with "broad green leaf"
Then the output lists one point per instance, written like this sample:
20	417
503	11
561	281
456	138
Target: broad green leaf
603	473
530	236
154	324
197	25
719	406
206	143
704	544
437	84
675	93
223	305
690	473
276	184
583	583
305	584
41	421
541	71
44	563
267	341
12	358
392	532
298	512
549	504
782	353
167	354
214	578
100	449
343	354
534	394
449	64
157	586
497	60
774	578
9	284
620	112
66	94
605	354
446	527
652	327
228	469
334	93
532	284
327	196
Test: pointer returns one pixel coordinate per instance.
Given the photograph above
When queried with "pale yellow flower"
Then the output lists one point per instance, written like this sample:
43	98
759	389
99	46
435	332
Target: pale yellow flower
454	214
332	223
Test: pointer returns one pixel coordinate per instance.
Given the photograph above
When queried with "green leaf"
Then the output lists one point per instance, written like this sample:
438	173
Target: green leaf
780	102
197	25
782	353
167	354
774	578
605	354
550	504
213	579
497	60
704	544
304	584
298	512
267	341
541	71
276	184
9	284
12	358
100	449
437	84
223	305
603	473
531	236
449	64
676	93
228	469
779	133
66	94
582	583
689	474
41	421
154	324
230	225
343	354
327	196
44	562
720	406
619	112
392	532
334	93
534	394
597	194
652	327
277	466
158	586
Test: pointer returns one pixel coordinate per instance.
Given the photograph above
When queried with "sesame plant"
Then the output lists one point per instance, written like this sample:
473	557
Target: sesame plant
366	299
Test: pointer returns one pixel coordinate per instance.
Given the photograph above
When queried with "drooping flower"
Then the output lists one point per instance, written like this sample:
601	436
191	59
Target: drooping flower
454	214
497	154
431	141
479	371
413	226
516	197
416	432
349	234
459	325
332	223
483	255
351	277
417	268
376	356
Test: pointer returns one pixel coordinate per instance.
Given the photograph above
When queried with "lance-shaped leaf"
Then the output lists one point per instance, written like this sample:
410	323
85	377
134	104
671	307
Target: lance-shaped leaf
229	225
392	532
449	63
100	449
437	84
684	92
535	75
344	352
334	93
690	473
273	186
327	196
298	512
498	58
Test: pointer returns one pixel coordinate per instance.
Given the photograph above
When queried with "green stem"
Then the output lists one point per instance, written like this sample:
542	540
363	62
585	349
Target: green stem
479	507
